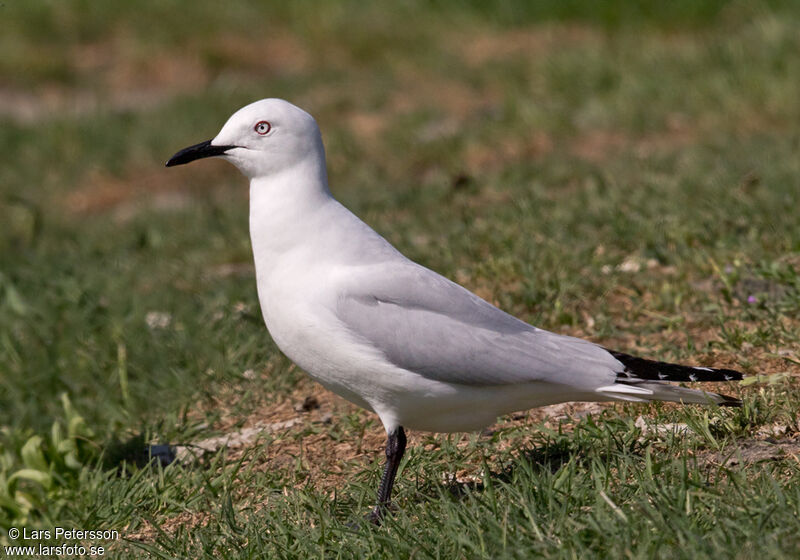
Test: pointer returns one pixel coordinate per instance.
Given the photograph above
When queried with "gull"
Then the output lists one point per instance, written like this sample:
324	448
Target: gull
388	334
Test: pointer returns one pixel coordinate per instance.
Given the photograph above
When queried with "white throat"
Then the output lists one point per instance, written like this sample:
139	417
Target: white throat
283	206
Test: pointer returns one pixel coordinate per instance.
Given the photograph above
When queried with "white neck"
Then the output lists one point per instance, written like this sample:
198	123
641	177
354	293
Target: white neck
292	213
281	203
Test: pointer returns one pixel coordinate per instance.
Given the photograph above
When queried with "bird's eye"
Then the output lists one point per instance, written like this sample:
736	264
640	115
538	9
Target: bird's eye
262	127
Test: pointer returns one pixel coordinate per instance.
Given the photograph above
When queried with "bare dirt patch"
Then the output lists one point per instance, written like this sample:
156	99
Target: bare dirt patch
489	46
678	132
145	188
277	52
480	158
106	80
598	145
118	73
147	532
752	452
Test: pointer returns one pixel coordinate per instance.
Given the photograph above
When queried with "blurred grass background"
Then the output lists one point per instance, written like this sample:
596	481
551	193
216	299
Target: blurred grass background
624	171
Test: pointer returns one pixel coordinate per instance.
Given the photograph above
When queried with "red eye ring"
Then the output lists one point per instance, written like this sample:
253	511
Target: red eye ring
262	127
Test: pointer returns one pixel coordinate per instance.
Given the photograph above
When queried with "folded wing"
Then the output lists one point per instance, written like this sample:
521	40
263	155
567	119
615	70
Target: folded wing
427	324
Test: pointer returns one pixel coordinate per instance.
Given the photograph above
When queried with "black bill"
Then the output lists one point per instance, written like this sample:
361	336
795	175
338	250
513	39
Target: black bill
198	151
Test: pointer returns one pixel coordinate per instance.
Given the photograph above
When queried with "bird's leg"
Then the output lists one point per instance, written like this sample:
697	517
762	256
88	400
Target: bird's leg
395	447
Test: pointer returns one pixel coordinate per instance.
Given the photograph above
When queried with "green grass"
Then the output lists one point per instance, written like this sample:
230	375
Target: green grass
537	153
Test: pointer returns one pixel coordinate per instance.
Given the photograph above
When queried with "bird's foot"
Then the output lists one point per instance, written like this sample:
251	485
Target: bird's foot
374	517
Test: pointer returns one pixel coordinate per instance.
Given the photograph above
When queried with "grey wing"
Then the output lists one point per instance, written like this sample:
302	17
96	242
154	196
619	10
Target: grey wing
424	323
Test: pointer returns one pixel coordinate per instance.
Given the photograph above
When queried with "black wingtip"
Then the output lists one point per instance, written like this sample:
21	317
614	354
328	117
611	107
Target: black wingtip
730	401
642	368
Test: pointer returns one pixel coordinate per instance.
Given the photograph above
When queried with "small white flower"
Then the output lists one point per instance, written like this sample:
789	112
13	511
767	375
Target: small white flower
158	319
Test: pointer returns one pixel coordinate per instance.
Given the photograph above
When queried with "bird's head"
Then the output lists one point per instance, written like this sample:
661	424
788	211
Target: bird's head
261	139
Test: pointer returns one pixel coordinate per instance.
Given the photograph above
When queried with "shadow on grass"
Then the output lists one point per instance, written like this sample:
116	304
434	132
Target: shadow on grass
590	443
136	452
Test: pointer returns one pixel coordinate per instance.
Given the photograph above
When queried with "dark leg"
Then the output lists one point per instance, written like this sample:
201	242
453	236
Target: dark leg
395	447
